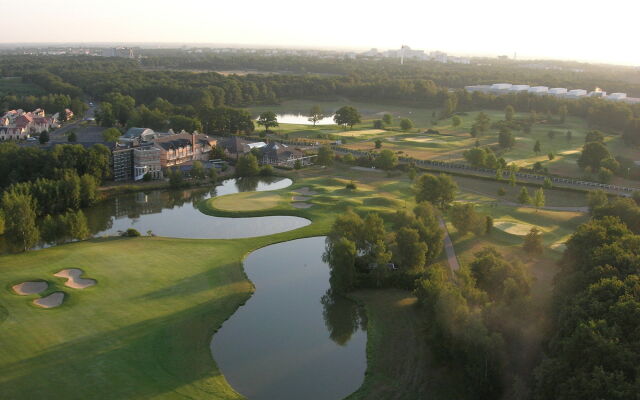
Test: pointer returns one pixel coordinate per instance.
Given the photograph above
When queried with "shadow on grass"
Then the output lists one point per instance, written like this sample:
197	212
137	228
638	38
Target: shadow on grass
142	360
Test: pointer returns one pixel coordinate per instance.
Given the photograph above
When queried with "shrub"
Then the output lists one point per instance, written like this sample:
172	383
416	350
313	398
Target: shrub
131	233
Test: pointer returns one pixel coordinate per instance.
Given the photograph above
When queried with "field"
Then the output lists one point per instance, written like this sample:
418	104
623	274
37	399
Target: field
450	143
15	86
143	331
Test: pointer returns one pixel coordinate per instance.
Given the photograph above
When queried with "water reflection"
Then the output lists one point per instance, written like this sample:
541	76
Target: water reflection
173	213
342	317
293	339
300	119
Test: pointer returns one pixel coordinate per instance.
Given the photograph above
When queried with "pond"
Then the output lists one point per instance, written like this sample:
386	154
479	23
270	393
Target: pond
301	119
292	339
174	213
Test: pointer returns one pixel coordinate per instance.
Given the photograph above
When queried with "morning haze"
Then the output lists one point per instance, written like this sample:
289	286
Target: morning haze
342	200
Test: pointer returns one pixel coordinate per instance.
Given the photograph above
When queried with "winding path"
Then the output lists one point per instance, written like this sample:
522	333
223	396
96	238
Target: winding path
448	247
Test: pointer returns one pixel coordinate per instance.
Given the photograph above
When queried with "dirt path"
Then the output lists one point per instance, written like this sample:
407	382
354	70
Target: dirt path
448	248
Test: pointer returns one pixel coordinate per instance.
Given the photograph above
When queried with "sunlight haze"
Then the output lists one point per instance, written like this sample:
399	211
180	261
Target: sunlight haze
594	33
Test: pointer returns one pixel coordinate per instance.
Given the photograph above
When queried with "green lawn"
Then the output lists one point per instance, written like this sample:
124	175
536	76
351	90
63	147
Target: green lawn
452	141
144	330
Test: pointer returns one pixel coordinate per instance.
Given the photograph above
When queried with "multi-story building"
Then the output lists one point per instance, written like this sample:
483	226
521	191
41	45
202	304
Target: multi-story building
282	155
122	163
184	147
146	160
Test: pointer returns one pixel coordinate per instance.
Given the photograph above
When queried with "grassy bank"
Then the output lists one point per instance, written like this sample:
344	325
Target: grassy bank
143	331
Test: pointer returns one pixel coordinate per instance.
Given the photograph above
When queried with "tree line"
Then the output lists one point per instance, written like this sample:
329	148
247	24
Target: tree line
593	346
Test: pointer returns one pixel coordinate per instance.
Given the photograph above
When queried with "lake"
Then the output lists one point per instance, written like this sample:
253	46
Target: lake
292	339
303	119
174	213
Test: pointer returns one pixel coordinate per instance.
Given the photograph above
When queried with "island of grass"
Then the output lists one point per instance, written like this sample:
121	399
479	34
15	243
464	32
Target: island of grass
144	331
248	201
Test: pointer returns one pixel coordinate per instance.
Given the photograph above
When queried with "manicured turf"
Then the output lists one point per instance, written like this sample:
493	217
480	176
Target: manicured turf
143	331
248	201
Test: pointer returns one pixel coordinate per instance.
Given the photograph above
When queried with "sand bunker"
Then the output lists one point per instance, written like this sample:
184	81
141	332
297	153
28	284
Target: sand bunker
305	191
50	301
424	140
559	246
513	228
27	288
301	198
73	278
569	152
301	205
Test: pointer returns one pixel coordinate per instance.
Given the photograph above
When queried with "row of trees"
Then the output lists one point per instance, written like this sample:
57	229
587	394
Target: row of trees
24	164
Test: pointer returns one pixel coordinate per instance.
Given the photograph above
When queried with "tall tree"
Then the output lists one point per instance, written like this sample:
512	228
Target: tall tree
439	190
19	212
315	114
406	124
268	119
523	197
509	112
347	116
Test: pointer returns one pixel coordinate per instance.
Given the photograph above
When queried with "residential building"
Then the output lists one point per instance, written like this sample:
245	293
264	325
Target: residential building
282	155
122	163
183	147
18	124
146	160
236	146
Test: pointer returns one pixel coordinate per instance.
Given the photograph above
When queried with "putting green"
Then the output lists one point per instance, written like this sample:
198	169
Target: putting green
248	201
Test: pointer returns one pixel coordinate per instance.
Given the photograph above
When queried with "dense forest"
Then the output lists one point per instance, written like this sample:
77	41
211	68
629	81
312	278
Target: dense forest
423	84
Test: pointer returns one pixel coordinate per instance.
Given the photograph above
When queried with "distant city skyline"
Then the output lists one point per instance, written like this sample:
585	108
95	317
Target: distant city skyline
568	30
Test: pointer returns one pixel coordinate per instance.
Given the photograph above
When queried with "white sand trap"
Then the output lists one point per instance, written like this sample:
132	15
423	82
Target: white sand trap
50	301
27	288
513	228
559	246
73	278
301	205
305	191
301	198
569	152
424	140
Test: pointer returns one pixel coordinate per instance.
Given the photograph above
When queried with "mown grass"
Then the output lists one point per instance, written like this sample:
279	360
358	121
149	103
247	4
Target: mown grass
452	141
144	330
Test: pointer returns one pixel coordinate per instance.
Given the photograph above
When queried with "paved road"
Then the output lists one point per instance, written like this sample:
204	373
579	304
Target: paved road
448	248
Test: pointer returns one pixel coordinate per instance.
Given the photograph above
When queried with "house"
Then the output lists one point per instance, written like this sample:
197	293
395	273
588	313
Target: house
18	124
235	146
183	147
282	155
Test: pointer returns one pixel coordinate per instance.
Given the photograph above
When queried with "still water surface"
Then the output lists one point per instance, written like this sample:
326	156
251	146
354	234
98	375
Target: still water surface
303	119
292	339
175	214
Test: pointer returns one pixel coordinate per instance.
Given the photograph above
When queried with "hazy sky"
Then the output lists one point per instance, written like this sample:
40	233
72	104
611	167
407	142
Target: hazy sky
565	29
